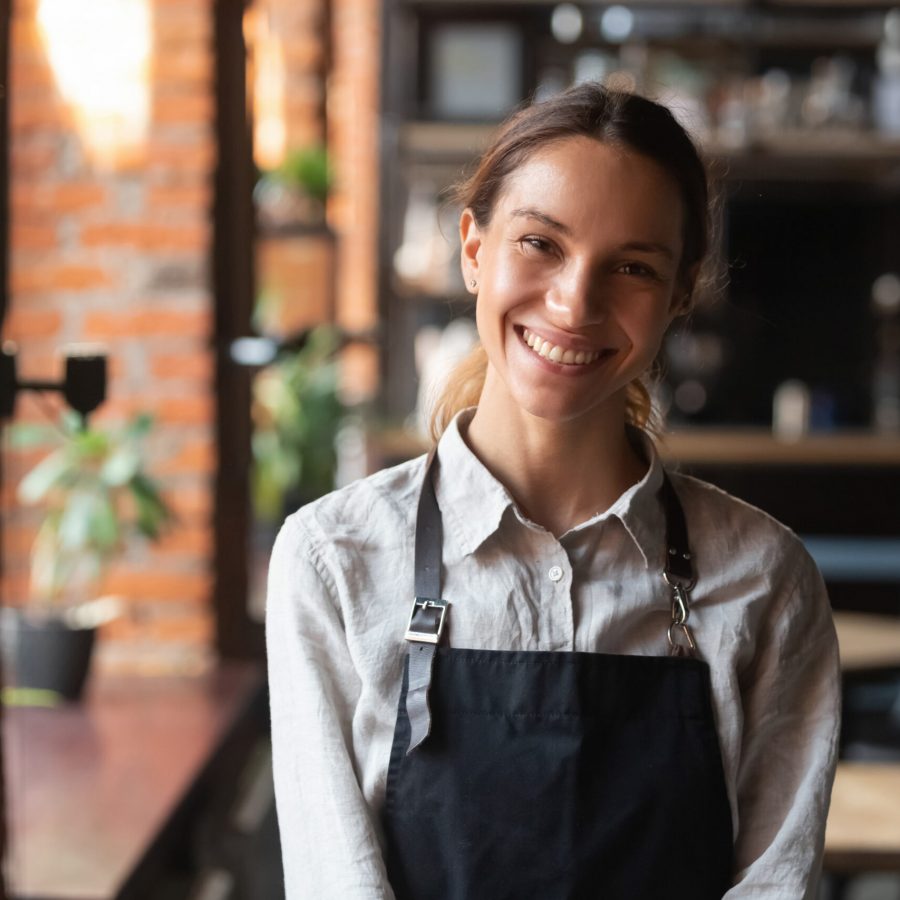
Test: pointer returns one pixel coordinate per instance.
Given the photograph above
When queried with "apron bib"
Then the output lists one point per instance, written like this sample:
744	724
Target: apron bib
554	775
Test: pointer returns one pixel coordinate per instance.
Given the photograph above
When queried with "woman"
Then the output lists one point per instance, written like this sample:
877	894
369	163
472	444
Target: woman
613	683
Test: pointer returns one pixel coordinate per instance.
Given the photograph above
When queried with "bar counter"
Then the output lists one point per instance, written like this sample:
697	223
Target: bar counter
96	790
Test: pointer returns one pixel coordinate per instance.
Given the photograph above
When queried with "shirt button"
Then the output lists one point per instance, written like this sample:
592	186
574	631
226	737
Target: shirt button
555	573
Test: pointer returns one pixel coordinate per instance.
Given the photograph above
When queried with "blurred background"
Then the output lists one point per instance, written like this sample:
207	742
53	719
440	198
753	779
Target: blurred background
229	282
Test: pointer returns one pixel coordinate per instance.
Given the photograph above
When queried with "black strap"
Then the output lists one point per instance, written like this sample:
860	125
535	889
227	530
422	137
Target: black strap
429	610
429	537
679	565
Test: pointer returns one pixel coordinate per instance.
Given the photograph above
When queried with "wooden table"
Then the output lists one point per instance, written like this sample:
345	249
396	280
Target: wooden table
868	641
93	787
863	832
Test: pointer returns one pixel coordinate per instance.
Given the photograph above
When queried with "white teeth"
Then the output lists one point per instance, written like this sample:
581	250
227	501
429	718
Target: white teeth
557	354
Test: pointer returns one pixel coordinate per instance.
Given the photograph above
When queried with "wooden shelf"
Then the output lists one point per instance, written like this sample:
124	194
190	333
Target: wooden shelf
445	140
826	151
761	447
868	642
716	446
664	4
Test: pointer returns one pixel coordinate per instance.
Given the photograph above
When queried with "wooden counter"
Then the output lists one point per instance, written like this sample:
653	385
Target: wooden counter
863	832
868	642
93	788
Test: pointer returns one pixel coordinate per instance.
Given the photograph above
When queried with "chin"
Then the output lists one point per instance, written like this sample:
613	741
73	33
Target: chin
561	410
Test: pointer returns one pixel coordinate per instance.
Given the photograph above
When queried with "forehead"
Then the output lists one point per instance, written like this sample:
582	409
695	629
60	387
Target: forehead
588	185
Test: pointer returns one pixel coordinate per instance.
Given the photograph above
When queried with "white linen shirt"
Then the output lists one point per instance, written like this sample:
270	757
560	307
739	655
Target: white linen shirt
339	598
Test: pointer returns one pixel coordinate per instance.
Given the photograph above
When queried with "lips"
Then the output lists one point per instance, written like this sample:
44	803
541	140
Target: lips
562	355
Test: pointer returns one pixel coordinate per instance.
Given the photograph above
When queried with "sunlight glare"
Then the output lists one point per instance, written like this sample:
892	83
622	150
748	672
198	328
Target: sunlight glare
99	51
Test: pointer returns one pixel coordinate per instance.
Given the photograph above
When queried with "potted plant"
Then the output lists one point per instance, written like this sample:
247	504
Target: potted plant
96	497
295	193
296	416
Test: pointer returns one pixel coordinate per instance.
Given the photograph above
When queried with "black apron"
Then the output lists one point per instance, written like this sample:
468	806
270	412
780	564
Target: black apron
554	776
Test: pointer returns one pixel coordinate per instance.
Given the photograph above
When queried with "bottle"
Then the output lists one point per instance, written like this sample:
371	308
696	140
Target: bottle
886	89
886	371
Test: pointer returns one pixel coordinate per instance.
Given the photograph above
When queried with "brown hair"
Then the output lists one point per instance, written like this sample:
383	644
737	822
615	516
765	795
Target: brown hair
612	117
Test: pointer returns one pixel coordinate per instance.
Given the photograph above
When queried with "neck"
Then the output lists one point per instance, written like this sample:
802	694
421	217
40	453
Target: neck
559	473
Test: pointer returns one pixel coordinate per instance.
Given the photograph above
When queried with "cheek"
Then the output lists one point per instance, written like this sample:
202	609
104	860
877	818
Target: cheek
647	329
500	293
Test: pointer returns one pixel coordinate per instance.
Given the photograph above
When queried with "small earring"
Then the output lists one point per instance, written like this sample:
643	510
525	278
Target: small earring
474	283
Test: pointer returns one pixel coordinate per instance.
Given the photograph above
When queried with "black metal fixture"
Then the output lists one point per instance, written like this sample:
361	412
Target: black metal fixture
84	385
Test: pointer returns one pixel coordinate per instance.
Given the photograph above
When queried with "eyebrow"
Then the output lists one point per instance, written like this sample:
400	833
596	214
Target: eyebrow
649	247
530	212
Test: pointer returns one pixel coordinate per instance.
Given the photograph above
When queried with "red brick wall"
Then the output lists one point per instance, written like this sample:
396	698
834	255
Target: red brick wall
122	256
353	130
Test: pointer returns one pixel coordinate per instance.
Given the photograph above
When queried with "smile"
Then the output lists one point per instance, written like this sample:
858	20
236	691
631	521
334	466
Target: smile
558	354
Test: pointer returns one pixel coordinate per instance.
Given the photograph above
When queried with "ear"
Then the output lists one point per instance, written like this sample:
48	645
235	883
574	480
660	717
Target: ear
470	249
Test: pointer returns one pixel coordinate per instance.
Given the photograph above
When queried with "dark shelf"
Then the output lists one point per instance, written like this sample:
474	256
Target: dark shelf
825	155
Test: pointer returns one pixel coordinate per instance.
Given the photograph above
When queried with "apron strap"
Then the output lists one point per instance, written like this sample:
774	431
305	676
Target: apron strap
678	572
429	537
429	611
679	565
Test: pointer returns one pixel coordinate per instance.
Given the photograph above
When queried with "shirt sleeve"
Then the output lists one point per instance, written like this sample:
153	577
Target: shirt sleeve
792	703
328	839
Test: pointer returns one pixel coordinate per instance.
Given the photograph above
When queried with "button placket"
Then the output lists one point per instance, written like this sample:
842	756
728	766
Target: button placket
558	613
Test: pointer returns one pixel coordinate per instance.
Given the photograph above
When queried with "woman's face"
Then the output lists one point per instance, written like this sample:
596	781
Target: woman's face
577	275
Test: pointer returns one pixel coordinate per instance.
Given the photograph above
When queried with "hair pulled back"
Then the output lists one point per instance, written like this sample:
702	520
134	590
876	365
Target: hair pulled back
612	117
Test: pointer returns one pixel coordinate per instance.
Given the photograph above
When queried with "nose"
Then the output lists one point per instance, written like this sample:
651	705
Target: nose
575	298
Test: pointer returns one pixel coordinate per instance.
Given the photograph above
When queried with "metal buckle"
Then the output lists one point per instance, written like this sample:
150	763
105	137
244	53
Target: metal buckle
423	605
681	611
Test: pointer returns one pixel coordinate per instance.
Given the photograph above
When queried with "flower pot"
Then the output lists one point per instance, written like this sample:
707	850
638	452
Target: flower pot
46	653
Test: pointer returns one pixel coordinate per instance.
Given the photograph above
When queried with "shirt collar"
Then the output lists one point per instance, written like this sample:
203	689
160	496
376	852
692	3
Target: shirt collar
640	508
473	502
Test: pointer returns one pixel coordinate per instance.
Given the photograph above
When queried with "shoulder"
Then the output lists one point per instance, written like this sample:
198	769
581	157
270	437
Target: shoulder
729	533
370	515
758	586
389	495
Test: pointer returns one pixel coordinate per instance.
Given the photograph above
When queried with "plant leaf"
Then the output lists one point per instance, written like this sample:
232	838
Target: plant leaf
104	525
121	466
49	472
152	511
31	434
75	523
139	427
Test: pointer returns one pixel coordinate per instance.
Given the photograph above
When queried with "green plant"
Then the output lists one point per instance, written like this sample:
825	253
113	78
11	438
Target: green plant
97	496
308	169
296	415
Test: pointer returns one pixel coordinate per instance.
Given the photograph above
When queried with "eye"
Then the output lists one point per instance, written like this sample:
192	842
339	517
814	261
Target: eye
642	270
534	243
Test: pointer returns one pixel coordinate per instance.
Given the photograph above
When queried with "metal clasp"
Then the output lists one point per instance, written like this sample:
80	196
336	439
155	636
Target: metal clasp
681	611
426	621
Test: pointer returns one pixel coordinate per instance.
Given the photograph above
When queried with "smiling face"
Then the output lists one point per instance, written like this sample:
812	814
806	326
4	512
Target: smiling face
578	275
